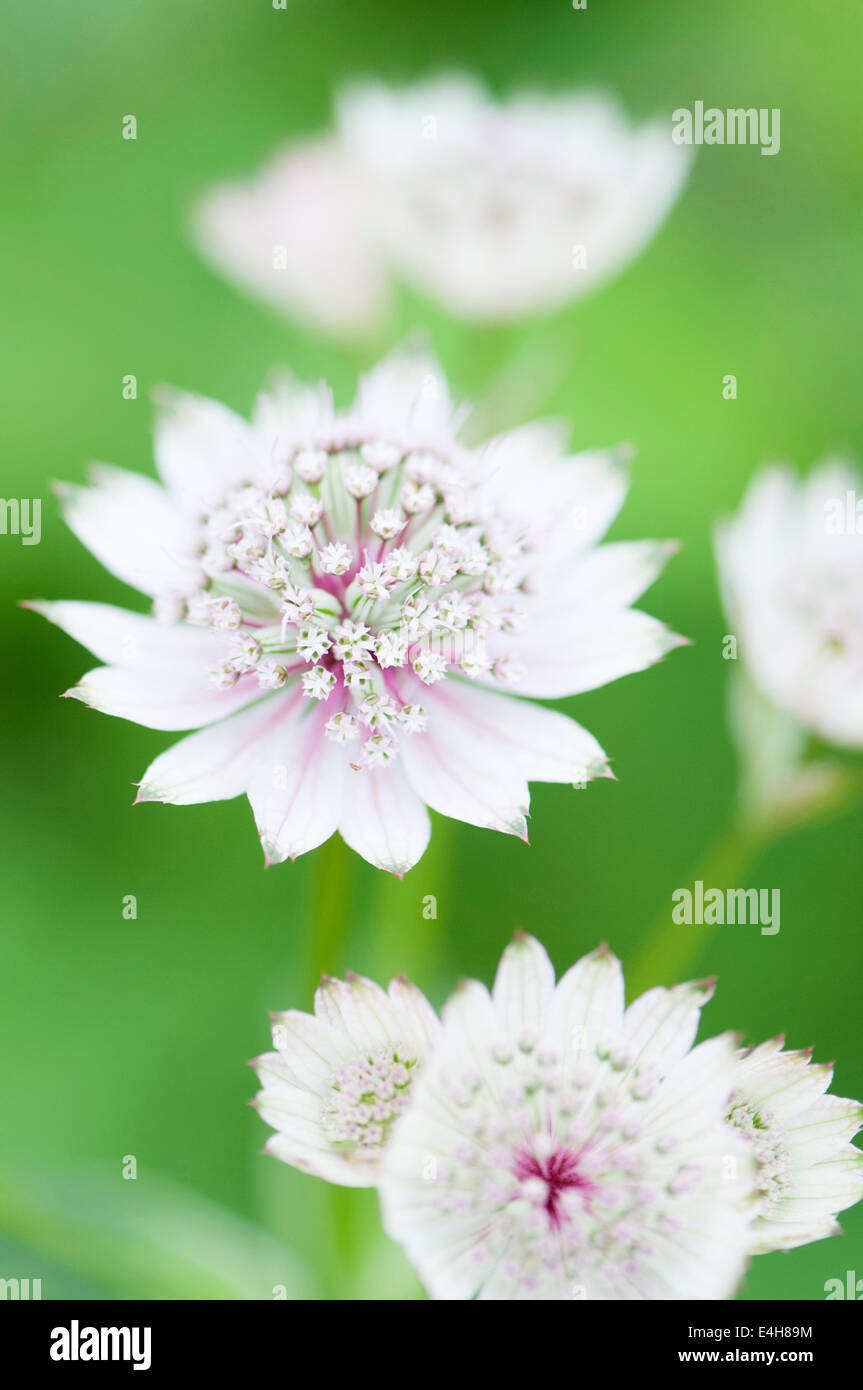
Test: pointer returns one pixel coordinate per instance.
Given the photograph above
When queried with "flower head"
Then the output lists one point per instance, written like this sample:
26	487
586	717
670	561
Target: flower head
346	604
339	1077
497	209
791	569
560	1146
807	1168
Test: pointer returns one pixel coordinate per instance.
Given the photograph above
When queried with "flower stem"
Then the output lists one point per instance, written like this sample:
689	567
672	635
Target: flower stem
670	947
405	916
332	905
331	909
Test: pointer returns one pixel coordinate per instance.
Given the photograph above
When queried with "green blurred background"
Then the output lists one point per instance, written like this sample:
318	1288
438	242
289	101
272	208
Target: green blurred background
123	1037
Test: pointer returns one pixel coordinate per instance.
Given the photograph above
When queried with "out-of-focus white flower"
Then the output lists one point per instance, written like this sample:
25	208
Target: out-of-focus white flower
339	1077
496	209
807	1167
791	570
360	596
301	236
559	1146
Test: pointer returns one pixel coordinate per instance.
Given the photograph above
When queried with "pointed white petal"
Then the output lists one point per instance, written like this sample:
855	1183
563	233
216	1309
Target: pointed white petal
203	450
132	526
543	745
162	699
524	987
297	789
660	1026
588	1006
383	818
564	652
460	774
121	638
216	763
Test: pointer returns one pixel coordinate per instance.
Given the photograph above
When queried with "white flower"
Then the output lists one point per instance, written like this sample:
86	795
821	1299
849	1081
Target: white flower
791	570
497	209
339	1077
558	1146
807	1167
275	645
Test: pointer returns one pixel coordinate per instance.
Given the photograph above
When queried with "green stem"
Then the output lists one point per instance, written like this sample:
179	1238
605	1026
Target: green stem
331	909
407	916
332	905
670	947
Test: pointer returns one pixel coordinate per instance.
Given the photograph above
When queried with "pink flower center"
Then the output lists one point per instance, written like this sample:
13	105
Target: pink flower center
558	1171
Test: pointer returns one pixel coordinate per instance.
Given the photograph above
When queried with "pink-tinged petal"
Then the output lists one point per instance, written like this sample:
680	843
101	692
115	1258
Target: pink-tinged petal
203	450
407	394
615	575
563	653
420	1019
297	791
384	820
162	699
134	529
307	1150
308	1047
121	638
524	988
460	774
543	745
571	501
660	1026
296	236
216	763
358	1009
588	1006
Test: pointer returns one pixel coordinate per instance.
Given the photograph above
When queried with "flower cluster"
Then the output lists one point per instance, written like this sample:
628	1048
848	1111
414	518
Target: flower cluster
346	603
546	1142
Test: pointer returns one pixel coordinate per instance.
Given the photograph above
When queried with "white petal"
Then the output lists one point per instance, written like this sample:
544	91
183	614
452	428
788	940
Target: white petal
297	790
216	763
615	575
384	820
542	744
162	699
132	526
564	653
297	236
587	1008
203	449
407	394
459	774
660	1026
130	640
570	501
524	987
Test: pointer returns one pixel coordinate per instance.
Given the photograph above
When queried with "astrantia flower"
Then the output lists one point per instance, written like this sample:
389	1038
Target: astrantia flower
339	1077
791	568
495	209
807	1167
558	1146
347	602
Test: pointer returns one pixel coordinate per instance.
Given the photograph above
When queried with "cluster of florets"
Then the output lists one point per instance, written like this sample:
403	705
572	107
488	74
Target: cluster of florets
360	574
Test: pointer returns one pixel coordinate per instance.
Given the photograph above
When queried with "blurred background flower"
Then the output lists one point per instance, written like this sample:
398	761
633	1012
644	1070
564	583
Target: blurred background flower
125	1034
495	209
